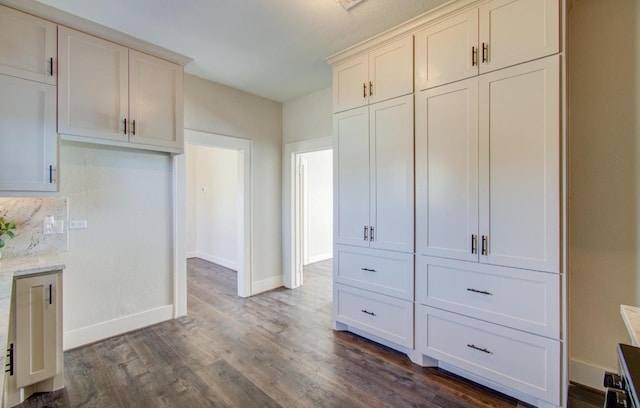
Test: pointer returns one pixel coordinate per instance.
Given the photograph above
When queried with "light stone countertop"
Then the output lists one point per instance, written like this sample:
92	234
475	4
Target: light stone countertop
631	317
16	267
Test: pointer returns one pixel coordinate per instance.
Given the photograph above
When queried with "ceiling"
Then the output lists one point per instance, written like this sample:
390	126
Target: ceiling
271	48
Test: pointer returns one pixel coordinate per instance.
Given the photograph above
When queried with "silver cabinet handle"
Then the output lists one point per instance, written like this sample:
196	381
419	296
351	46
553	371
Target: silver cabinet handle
485	245
371	234
482	292
484	350
474	244
366	233
368	270
370	88
368	312
364	89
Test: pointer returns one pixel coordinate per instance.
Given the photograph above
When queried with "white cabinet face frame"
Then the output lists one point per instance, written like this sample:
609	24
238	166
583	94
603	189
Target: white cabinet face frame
447	51
351	177
520	165
93	86
28	135
514	31
27	46
447	171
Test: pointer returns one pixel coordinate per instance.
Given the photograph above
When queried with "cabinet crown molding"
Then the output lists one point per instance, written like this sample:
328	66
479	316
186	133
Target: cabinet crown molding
69	20
404	29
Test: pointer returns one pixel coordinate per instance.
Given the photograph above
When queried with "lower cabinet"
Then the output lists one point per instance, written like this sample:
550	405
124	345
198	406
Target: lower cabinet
35	333
522	361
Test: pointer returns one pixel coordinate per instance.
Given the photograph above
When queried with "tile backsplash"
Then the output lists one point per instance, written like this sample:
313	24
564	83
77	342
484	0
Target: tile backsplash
29	214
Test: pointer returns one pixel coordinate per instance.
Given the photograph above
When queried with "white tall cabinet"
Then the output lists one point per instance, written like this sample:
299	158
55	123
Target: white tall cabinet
487	288
27	102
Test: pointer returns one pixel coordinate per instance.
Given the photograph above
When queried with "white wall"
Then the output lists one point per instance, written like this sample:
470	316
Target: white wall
191	195
604	154
119	269
319	215
215	108
308	117
216	191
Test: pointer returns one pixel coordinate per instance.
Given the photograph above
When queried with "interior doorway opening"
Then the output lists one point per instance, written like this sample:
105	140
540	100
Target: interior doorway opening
218	202
308	207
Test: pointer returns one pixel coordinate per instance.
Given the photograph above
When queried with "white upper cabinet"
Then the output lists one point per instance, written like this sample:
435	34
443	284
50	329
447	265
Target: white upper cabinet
28	136
447	171
108	92
351	177
520	166
155	100
515	31
374	175
447	51
384	73
27	46
498	34
93	88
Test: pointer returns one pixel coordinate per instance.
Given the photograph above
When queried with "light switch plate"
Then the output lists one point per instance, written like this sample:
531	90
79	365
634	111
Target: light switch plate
77	224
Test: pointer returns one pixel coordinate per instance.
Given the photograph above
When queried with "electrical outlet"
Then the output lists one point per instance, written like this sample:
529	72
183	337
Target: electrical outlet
77	224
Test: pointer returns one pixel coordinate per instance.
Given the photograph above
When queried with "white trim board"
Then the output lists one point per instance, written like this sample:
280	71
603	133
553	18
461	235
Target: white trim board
266	285
292	277
582	372
115	327
217	260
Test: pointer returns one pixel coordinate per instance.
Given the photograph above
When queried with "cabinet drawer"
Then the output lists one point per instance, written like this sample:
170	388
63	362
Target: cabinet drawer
382	316
522	361
389	273
517	298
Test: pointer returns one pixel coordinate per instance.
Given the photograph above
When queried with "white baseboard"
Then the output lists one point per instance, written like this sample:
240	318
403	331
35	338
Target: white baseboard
191	254
265	285
321	257
110	328
587	374
217	260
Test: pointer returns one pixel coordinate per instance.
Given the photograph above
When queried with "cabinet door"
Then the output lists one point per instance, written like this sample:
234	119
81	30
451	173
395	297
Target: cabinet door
155	101
350	84
37	340
93	86
447	51
27	135
520	165
351	177
27	46
515	31
391	126
391	70
447	171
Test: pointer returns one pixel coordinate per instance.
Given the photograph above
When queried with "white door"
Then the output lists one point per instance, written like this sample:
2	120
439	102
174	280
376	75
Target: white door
520	166
351	177
447	51
391	70
28	136
391	126
93	86
27	46
155	92
351	84
37	340
447	171
515	31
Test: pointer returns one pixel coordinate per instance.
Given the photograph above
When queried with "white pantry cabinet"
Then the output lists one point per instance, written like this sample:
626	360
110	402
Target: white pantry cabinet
108	92
384	73
28	136
27	46
497	34
491	193
373	167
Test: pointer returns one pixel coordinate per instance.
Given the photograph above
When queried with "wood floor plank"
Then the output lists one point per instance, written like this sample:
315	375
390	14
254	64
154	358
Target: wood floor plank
276	349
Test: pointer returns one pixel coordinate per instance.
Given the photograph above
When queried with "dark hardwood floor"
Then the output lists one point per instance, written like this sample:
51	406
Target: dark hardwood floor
272	350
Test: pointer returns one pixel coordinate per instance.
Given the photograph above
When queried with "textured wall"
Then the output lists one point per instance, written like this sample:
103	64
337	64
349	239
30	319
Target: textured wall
29	215
122	263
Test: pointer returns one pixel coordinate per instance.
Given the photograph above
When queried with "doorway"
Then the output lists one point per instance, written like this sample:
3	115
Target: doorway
307	195
218	202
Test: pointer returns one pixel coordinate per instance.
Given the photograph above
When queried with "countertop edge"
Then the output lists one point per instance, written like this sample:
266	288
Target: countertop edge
631	318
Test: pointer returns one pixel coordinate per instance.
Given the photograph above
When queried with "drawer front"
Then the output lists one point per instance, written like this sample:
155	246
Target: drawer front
522	361
516	298
388	273
383	316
